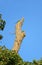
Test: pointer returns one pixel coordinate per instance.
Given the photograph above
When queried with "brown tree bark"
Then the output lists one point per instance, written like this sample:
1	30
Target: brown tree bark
19	35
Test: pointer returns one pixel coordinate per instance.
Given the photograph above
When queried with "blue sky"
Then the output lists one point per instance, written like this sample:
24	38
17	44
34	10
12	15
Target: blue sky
31	10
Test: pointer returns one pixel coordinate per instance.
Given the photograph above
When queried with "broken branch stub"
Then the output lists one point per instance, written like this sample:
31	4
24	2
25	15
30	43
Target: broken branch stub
19	35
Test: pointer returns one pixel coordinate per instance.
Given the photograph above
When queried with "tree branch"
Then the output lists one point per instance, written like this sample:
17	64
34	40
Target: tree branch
19	35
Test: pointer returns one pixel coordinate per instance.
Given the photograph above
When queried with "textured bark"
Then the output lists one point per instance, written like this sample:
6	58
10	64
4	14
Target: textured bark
19	35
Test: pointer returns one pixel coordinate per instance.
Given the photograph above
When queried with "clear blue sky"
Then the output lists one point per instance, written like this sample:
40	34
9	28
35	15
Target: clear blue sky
31	10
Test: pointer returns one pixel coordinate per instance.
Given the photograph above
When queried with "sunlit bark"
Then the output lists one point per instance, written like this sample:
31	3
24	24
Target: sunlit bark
19	35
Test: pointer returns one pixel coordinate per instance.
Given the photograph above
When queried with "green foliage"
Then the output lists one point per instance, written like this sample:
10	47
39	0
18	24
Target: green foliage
1	37
9	57
2	23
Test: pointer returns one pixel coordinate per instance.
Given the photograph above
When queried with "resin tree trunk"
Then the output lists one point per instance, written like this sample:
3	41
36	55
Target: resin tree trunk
19	35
